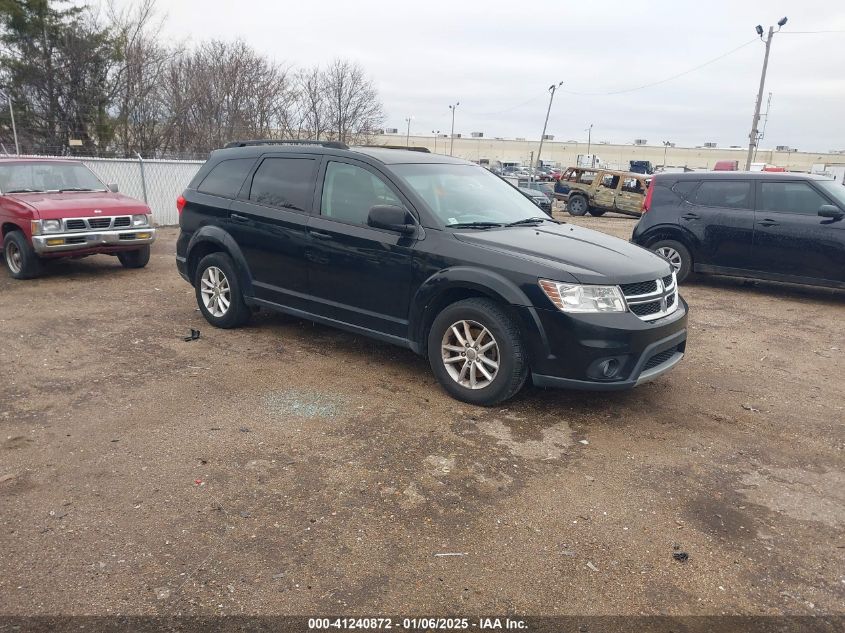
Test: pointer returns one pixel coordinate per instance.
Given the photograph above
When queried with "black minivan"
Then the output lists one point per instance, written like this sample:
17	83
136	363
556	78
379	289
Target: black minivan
432	253
774	226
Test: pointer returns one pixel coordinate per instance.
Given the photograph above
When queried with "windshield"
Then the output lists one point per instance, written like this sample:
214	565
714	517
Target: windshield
34	177
467	194
834	189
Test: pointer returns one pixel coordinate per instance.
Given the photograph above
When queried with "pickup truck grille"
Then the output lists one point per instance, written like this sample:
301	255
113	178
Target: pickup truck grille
108	222
651	300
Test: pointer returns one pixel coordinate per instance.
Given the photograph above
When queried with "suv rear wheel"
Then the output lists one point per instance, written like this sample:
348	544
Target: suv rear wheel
476	353
676	254
218	292
577	205
20	257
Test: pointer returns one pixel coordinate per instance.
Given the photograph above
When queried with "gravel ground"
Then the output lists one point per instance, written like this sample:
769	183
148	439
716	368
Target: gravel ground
288	468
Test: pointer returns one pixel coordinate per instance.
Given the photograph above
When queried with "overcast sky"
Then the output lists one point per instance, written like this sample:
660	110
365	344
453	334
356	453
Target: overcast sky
499	58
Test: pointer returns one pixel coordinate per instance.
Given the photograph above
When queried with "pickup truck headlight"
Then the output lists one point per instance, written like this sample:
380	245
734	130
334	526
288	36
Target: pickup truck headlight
51	226
140	220
582	298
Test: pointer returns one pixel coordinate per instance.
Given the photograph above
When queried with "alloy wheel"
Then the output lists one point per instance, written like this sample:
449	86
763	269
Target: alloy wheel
470	354
215	291
671	255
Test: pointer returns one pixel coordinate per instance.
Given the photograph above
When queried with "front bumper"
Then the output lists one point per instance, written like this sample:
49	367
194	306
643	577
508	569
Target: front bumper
93	240
570	351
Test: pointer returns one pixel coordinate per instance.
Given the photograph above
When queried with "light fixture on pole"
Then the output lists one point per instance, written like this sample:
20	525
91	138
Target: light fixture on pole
666	146
752	136
436	134
408	134
12	114
452	142
589	132
552	90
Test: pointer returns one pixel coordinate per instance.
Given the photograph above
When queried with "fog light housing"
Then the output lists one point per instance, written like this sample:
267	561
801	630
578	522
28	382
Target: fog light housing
608	369
55	241
143	236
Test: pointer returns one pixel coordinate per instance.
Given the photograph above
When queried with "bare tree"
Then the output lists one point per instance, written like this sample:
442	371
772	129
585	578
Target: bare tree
353	108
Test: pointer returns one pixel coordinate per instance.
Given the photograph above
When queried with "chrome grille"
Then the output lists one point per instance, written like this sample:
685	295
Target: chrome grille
651	300
86	224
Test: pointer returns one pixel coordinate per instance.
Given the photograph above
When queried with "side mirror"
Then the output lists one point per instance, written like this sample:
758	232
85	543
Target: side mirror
831	211
392	218
112	187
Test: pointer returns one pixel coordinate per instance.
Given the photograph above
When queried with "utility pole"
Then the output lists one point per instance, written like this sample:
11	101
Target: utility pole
589	139
666	145
552	90
452	142
752	136
436	134
12	114
762	133
408	135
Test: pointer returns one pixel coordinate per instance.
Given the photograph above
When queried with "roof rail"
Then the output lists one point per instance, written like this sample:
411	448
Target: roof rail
332	144
412	148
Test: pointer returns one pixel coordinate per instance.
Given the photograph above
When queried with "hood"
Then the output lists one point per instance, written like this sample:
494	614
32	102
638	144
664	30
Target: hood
589	256
78	204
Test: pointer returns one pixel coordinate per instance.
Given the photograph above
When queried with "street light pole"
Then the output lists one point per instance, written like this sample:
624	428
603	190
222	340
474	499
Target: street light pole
666	145
752	136
408	134
589	140
12	114
552	90
452	142
435	132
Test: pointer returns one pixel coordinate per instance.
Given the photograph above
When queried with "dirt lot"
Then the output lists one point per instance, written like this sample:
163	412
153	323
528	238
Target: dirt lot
291	468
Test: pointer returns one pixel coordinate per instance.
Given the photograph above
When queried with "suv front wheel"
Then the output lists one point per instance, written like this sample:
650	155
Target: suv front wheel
577	205
676	254
218	292
476	353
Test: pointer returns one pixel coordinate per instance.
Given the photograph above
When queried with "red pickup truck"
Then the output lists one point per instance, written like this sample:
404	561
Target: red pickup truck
52	208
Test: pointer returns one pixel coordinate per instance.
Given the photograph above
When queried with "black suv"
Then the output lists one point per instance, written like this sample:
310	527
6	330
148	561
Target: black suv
431	253
776	226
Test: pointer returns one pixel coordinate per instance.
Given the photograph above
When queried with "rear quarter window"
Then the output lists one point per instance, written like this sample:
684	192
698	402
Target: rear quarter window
226	177
726	194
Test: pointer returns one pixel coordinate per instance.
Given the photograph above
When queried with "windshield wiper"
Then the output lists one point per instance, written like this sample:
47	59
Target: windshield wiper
529	221
25	191
78	189
474	225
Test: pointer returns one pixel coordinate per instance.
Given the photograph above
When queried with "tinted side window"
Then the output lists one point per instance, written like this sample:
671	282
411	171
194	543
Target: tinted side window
287	183
349	192
683	188
729	194
225	178
790	197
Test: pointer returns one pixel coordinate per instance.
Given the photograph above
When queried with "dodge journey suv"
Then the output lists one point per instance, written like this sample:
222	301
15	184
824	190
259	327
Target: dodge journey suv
432	253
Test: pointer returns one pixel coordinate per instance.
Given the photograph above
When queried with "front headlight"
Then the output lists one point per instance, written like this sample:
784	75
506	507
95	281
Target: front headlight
139	220
51	226
578	298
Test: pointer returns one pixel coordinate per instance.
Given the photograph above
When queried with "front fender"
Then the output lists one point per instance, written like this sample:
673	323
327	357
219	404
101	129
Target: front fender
222	241
669	231
428	297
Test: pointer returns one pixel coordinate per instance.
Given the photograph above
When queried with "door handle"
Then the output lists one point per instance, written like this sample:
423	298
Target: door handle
320	235
691	216
237	217
768	222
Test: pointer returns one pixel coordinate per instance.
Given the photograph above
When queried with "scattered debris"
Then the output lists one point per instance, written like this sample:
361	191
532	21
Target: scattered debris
193	336
304	403
681	557
591	566
162	593
749	407
452	554
584	442
199	482
8	477
589	478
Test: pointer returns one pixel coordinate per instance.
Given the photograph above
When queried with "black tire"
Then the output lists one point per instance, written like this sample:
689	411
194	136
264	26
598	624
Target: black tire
22	262
577	205
597	212
135	259
237	313
508	352
683	263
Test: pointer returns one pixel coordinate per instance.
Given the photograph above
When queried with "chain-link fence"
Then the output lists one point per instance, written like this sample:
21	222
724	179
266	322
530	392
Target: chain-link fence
156	182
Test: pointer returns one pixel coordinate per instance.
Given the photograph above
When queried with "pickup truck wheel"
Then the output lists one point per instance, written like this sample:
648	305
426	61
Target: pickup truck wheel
597	212
21	260
135	259
218	292
577	205
476	352
676	254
